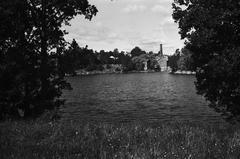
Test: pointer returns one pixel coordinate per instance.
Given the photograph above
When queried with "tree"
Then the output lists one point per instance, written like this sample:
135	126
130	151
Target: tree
68	61
152	62
185	61
137	52
173	60
30	30
212	33
104	57
126	62
138	61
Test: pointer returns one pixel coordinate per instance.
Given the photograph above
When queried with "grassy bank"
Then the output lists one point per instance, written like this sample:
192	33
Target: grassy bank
38	139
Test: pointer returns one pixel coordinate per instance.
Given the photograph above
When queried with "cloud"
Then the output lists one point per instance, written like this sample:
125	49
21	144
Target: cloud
164	1
152	43
129	1
134	8
91	32
160	9
124	24
142	1
100	34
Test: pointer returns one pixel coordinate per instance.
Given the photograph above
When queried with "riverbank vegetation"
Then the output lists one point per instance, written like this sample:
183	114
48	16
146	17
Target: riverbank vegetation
212	33
181	61
82	59
45	138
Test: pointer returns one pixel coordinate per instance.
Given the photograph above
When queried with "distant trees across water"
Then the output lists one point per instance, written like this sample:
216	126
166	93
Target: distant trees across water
77	58
181	60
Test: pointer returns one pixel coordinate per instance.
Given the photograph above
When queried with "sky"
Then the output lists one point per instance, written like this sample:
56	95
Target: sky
124	24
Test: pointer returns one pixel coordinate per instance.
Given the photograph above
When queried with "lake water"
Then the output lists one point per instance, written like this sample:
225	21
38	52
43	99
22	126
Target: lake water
151	97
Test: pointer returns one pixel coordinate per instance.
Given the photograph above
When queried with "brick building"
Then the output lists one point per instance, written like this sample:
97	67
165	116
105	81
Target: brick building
162	60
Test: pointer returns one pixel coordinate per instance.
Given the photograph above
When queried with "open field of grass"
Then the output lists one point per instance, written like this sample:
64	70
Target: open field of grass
70	140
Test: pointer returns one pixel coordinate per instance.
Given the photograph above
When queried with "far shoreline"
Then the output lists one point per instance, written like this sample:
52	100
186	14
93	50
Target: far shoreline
86	73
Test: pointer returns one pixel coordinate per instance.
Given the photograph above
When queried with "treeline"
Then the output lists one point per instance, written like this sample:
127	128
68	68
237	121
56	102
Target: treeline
77	58
82	58
182	60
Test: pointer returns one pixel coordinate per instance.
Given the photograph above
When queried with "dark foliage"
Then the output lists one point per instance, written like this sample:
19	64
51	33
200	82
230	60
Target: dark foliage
212	30
137	52
173	60
77	57
30	78
185	61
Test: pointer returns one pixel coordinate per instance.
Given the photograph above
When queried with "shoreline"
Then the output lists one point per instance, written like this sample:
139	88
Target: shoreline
179	72
85	73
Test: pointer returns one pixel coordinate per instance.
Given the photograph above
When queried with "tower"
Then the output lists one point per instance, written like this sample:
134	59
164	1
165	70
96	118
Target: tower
162	59
161	50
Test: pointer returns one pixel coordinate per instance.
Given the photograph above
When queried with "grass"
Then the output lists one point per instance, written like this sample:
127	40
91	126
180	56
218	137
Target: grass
69	140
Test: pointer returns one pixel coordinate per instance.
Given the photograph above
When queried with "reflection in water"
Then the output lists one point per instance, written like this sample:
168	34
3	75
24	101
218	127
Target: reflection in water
152	97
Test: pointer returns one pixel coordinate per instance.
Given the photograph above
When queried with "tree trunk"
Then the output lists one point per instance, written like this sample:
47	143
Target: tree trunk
44	55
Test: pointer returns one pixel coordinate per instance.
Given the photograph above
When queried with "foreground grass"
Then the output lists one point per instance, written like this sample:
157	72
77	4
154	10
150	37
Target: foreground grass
70	140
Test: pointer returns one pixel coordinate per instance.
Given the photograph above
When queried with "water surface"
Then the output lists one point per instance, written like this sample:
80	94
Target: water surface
151	97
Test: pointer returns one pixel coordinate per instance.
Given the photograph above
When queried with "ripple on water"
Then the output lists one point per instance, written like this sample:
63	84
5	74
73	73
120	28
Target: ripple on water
153	97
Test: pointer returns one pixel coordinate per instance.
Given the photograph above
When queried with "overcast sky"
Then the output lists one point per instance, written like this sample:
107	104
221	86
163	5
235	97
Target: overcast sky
124	24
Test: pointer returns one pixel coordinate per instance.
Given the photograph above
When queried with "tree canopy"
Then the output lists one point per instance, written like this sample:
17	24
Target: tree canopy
212	32
31	37
137	52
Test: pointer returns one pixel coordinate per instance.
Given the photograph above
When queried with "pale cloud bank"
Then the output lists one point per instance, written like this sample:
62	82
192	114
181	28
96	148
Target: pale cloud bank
124	24
134	8
160	9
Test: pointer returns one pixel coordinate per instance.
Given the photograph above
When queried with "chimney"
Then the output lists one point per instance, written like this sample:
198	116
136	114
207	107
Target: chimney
161	49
